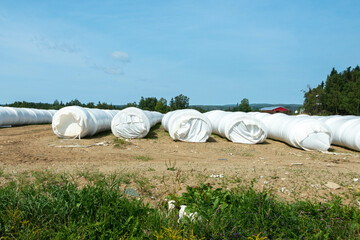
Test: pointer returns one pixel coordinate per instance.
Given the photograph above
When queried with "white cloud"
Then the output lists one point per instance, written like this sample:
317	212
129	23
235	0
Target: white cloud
113	70
121	56
44	43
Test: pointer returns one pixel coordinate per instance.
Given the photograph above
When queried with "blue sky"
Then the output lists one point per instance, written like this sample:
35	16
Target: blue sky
214	52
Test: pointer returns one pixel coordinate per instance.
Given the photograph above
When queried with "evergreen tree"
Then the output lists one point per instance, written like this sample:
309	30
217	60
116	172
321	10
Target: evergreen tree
56	103
339	95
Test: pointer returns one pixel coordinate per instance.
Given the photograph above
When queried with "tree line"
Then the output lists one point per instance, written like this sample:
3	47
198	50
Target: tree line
340	94
153	104
146	103
149	103
56	105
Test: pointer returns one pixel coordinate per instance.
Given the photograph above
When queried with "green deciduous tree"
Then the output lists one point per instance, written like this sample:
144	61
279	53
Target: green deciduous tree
244	105
179	102
133	104
148	103
161	106
314	100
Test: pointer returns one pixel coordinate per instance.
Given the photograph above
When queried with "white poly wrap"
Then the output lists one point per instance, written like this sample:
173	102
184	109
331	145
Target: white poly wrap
187	125
78	122
24	116
345	130
304	133
133	122
238	127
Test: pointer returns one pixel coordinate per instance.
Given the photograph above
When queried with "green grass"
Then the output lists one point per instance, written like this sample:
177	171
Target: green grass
53	206
171	166
119	142
144	158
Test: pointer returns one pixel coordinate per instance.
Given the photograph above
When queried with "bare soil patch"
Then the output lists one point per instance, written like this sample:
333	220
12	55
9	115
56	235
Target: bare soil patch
157	166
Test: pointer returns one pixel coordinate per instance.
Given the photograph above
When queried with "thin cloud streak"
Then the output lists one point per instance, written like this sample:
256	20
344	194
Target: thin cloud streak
121	56
47	44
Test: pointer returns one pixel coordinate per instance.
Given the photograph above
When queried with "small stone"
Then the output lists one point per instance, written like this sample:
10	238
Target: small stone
332	185
356	179
131	192
283	179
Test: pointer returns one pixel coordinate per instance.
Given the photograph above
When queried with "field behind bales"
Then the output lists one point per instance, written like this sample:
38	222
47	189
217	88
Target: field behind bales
139	175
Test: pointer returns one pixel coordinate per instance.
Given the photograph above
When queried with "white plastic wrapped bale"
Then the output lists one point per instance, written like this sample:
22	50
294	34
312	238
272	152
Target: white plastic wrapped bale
187	125
345	130
79	122
52	112
24	116
237	127
134	123
304	133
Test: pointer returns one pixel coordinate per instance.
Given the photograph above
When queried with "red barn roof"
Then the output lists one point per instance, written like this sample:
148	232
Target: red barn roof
274	109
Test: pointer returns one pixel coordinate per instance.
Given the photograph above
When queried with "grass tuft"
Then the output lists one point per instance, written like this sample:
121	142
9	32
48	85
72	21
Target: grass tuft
119	142
144	158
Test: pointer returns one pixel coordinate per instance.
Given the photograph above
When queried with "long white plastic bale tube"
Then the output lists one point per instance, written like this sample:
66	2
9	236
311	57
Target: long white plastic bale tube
345	130
8	116
42	116
23	116
238	127
52	112
78	122
187	125
304	133
134	123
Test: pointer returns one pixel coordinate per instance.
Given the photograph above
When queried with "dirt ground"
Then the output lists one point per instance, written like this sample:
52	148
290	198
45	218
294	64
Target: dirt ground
157	165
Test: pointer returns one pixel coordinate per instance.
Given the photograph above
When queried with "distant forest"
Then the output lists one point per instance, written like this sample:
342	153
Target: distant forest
148	103
340	94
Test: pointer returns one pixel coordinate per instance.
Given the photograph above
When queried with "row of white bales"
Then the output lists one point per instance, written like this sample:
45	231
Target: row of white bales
302	131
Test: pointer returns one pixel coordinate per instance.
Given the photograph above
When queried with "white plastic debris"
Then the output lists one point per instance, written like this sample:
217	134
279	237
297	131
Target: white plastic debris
182	213
217	176
171	205
80	146
296	164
